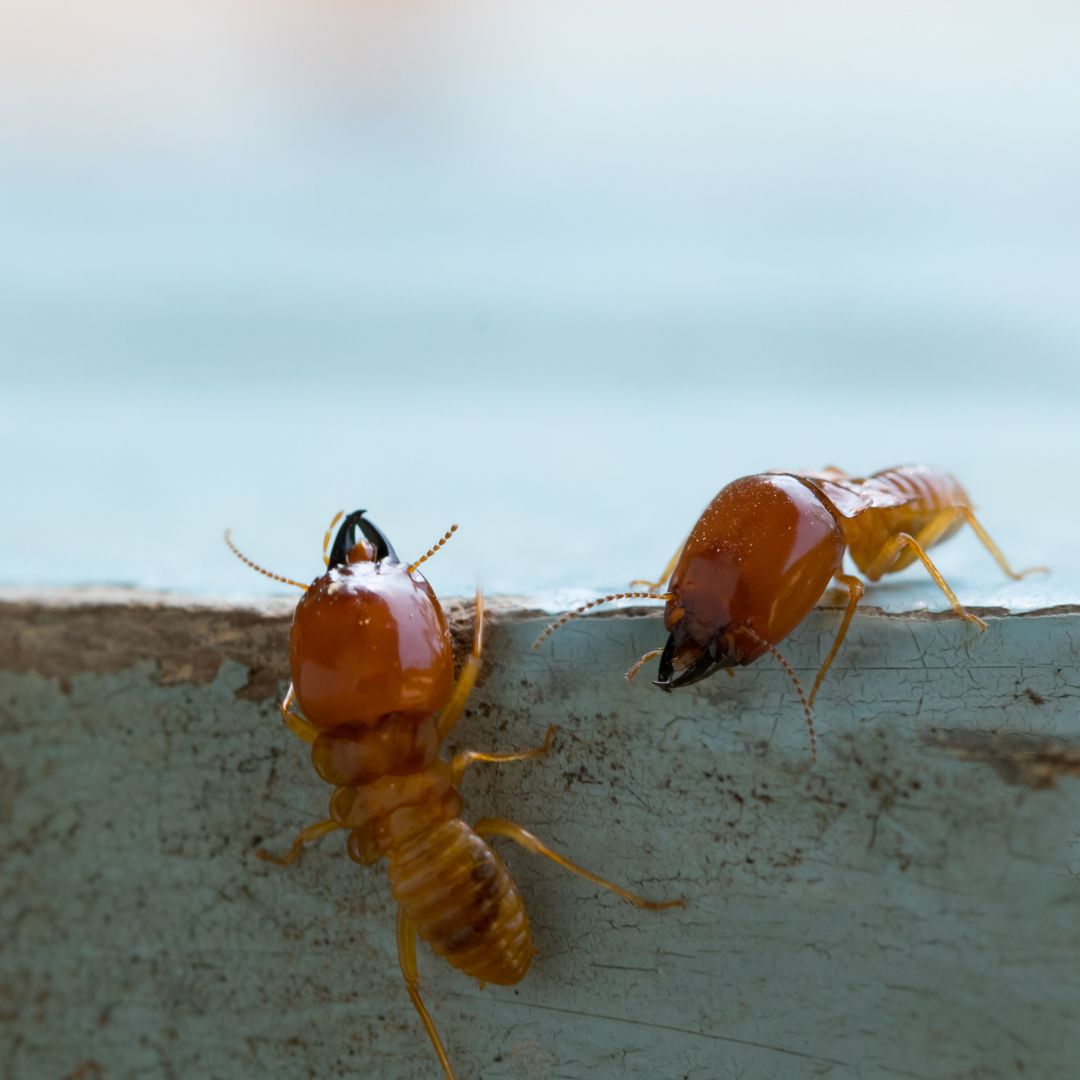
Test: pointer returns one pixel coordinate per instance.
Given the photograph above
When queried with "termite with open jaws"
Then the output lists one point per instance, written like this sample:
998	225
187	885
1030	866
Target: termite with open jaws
373	675
766	548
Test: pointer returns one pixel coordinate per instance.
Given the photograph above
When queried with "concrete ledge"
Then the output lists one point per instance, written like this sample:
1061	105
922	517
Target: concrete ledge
910	906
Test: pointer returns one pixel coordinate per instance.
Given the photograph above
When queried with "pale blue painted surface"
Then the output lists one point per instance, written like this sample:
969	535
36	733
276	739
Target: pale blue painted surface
894	911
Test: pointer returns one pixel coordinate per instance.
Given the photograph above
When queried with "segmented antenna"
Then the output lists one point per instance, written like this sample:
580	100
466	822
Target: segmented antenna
431	551
798	689
255	566
636	666
565	618
326	537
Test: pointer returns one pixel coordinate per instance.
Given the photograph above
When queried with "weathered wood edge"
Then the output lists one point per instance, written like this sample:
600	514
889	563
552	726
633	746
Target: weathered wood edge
58	632
907	907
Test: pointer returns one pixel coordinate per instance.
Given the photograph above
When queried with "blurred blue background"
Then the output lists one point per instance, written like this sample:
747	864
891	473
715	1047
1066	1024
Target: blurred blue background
556	274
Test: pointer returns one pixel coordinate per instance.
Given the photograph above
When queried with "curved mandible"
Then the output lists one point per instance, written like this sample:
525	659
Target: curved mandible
345	540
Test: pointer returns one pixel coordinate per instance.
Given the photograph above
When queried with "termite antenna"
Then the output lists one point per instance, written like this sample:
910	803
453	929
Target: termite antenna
255	566
549	630
798	689
431	550
326	536
636	666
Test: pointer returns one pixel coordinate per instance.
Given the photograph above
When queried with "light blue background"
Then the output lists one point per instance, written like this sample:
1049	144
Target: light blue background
557	276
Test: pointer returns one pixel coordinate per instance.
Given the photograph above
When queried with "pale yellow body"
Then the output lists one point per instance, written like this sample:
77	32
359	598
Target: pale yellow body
926	504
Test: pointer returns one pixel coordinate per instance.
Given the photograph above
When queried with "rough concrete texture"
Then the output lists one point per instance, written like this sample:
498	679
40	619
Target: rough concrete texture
908	907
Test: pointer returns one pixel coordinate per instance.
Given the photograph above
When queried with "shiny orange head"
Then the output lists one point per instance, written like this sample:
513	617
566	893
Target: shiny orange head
368	637
756	562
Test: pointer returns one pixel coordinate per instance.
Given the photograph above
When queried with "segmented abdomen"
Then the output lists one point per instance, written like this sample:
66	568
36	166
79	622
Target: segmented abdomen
907	499
922	491
463	901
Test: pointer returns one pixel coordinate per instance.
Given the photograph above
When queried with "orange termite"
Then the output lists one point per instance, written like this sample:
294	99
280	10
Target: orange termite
373	693
766	548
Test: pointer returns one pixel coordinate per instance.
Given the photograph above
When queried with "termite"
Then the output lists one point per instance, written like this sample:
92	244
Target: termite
767	547
373	693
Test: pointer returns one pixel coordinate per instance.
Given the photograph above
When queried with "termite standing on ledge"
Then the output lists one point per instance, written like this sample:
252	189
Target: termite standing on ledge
767	547
373	675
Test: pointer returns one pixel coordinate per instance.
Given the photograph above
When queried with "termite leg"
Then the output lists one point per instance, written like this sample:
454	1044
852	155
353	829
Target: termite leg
891	549
453	709
665	574
994	550
304	836
406	944
855	590
513	831
301	728
466	758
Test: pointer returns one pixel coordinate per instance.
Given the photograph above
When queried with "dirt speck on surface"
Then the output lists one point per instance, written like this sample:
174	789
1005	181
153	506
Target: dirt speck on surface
1035	761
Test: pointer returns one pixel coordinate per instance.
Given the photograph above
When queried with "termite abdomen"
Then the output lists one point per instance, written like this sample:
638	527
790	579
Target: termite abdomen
464	903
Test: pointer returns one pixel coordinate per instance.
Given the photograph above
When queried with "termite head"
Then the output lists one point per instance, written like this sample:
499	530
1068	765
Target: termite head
752	568
368	637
